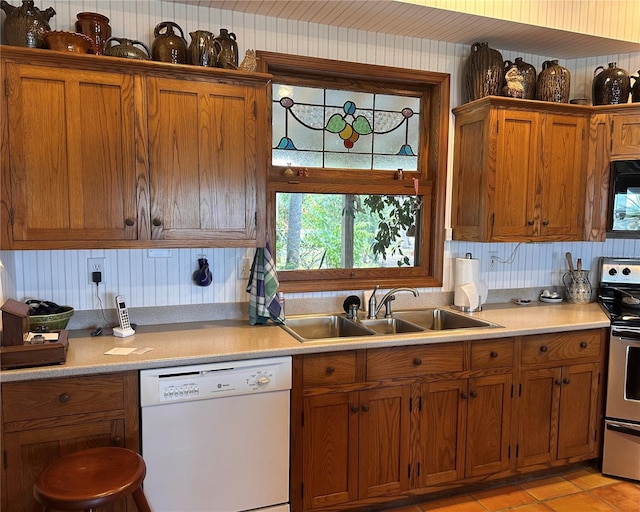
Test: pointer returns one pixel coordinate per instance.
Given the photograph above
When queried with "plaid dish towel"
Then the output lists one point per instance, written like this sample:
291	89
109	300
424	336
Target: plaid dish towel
263	289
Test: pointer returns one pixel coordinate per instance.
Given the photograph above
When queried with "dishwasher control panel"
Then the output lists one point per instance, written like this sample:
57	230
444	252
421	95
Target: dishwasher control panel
215	380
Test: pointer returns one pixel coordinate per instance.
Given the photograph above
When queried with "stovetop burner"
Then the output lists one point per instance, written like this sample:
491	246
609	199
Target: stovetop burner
619	279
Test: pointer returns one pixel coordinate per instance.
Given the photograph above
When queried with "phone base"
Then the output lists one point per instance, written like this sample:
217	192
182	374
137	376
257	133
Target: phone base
123	333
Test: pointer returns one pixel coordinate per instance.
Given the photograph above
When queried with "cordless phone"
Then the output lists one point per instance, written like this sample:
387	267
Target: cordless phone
123	318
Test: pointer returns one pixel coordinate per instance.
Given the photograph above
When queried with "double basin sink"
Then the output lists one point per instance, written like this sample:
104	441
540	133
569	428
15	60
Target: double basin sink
330	327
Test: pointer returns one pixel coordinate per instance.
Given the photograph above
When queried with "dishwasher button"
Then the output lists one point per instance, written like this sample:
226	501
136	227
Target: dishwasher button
262	381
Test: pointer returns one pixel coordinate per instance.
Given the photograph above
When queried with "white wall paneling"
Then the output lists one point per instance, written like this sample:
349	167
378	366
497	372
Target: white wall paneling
61	276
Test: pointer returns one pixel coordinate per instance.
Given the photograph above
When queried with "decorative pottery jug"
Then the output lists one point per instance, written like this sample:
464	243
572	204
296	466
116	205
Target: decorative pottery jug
167	46
554	82
228	57
610	86
126	49
204	49
96	27
483	72
26	25
635	91
520	79
577	286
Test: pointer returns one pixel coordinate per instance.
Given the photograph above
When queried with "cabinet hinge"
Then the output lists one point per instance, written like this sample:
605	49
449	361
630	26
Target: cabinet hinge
411	405
598	378
511	390
493	218
409	470
517	450
302	418
519	389
4	459
509	452
420	404
418	469
6	86
255	219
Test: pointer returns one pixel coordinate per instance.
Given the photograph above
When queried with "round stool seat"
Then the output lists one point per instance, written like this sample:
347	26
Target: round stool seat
92	478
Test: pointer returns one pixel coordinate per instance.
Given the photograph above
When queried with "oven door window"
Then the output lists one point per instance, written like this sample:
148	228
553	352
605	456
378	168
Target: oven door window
632	385
625	196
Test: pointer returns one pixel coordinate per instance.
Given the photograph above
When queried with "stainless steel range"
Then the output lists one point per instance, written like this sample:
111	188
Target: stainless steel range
619	295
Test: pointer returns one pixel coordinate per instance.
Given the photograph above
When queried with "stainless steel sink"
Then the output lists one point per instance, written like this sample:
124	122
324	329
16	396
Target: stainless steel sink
322	327
440	319
391	326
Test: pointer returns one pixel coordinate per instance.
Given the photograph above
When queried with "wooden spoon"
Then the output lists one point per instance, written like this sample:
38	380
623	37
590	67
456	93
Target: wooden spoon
569	261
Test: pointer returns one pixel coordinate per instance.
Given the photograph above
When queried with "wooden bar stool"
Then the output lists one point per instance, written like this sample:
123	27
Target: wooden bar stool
92	478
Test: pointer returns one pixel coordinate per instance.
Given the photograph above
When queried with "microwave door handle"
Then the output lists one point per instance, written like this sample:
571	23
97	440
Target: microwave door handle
624	429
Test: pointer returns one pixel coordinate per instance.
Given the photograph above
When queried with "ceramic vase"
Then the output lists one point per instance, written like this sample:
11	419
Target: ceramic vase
96	27
483	72
554	82
228	57
26	25
610	86
519	79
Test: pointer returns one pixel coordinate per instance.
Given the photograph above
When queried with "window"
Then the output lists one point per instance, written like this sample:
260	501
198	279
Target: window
356	182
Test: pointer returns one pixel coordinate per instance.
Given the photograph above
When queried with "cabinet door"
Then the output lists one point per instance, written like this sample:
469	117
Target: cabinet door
71	153
330	448
202	147
488	425
443	419
538	416
513	190
384	441
625	136
30	451
578	415
562	175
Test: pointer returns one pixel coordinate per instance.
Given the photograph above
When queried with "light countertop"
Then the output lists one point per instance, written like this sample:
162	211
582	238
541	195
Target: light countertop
224	340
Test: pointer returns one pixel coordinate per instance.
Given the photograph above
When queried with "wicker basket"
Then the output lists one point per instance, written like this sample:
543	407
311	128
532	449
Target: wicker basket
52	322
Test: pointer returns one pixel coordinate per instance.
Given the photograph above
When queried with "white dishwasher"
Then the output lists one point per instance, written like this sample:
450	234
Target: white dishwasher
215	437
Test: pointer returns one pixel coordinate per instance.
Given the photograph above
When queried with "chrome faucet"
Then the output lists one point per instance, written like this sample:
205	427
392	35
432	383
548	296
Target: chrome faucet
374	307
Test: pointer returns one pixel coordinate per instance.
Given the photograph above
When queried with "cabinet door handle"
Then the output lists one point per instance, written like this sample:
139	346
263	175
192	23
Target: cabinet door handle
557	382
544	348
64	398
494	354
474	394
531	222
583	344
117	441
566	381
365	408
464	395
156	222
545	222
354	408
330	370
129	222
417	361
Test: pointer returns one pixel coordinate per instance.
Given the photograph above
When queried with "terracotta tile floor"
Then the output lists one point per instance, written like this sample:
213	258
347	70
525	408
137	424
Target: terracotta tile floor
581	490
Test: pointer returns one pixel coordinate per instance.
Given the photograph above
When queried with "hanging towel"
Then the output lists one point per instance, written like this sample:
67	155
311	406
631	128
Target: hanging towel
263	289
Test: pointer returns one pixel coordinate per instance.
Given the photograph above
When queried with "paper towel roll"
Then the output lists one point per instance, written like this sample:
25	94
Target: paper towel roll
467	270
470	289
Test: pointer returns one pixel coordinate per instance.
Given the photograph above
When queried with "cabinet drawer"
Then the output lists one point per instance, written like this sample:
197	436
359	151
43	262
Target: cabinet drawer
561	347
388	363
326	369
61	397
491	353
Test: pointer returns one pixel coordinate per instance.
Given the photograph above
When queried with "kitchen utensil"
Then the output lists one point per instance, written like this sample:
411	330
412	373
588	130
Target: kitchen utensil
569	261
628	299
579	264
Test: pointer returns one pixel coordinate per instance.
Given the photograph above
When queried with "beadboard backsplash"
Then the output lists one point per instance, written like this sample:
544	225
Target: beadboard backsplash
62	276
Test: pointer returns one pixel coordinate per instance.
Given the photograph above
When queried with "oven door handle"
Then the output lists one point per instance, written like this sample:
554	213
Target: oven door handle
624	429
625	335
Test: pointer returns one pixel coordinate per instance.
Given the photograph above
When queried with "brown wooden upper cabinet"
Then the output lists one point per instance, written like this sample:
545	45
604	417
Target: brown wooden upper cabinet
103	152
625	135
519	171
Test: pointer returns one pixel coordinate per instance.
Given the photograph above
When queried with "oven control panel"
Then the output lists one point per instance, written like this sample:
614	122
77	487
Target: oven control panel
619	271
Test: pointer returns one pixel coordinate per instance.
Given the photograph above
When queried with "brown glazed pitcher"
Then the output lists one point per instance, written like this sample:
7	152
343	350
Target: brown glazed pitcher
228	57
168	46
96	27
204	49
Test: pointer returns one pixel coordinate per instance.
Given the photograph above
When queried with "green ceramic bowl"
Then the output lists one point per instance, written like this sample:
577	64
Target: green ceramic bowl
53	322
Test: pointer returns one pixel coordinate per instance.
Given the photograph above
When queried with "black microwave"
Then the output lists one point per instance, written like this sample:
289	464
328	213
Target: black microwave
624	201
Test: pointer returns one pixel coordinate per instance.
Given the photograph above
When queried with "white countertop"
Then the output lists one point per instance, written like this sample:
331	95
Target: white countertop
225	340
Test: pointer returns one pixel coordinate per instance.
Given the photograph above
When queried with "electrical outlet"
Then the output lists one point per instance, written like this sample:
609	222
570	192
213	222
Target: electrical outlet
244	267
96	265
492	260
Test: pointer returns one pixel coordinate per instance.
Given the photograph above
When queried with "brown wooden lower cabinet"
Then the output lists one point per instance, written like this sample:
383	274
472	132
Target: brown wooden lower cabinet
42	420
392	426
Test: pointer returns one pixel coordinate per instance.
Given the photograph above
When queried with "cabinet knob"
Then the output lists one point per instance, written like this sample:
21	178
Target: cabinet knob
545	222
365	408
354	408
531	222
566	381
330	370
557	382
64	398
117	441
129	222
494	354
156	222
544	348
474	394
417	361
464	395
583	344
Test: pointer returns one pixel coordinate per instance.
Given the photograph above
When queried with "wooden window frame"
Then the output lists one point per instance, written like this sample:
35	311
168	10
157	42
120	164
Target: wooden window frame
433	88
